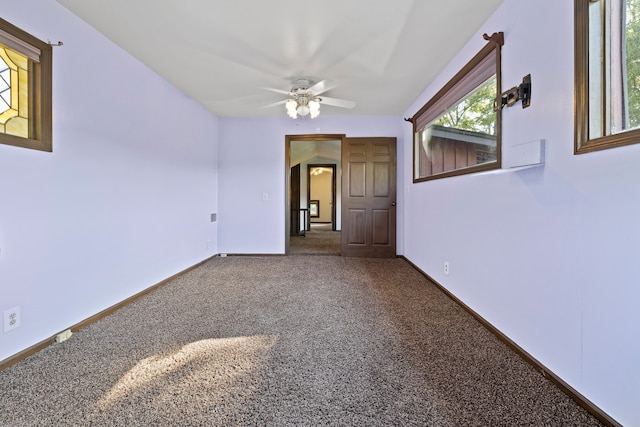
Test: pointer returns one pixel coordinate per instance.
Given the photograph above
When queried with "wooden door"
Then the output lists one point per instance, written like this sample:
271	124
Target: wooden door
369	197
294	197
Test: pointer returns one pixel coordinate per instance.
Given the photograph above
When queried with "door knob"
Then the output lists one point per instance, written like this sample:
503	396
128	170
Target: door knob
393	203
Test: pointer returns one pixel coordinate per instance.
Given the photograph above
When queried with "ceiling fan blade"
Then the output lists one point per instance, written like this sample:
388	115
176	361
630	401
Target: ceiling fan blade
322	86
285	92
274	104
337	102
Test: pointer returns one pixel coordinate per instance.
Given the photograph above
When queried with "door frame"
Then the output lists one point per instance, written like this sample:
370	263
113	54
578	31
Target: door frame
331	166
287	180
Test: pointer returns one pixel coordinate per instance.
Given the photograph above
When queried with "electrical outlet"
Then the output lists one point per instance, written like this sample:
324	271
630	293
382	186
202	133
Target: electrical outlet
11	319
446	268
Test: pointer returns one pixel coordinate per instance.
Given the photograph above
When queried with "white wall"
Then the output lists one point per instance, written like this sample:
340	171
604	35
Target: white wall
124	200
548	255
251	164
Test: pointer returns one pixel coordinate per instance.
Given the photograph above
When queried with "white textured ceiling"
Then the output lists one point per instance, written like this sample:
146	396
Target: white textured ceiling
381	53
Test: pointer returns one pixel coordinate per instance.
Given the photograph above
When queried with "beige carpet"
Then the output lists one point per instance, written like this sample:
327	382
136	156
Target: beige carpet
320	240
285	341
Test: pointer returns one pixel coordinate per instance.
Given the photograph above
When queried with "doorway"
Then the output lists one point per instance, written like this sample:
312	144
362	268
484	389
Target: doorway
313	216
365	200
321	193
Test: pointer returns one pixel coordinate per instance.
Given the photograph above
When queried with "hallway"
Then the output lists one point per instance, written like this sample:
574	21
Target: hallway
320	240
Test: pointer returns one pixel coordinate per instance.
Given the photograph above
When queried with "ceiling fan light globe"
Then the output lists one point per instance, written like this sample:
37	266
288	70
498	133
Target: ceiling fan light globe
292	108
303	110
291	105
314	108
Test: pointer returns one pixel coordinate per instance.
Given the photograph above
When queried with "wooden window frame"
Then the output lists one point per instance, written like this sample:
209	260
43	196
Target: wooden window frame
495	42
40	94
582	141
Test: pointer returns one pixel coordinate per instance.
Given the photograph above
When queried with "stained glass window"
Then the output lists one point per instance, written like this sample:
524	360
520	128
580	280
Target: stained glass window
14	92
25	89
5	86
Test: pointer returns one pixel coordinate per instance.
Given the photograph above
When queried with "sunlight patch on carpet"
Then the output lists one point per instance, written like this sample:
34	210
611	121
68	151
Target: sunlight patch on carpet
203	376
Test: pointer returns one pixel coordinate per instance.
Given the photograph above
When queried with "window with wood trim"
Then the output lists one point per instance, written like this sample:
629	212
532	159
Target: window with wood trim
459	130
607	74
25	89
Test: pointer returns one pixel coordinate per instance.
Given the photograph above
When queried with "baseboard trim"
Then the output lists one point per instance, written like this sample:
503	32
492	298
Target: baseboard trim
581	400
18	357
253	255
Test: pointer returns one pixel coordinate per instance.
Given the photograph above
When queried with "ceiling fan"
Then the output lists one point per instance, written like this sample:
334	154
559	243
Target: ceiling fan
304	98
